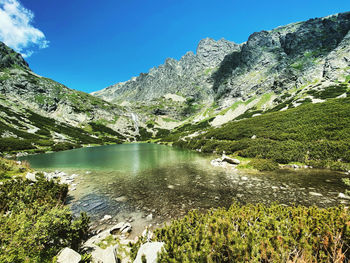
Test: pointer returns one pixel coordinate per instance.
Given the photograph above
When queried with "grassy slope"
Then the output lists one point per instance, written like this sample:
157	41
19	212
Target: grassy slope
18	122
309	133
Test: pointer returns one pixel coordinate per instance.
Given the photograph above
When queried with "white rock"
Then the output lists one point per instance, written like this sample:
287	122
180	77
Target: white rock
108	255
126	228
106	217
150	250
68	255
230	160
315	194
149	217
113	230
343	196
31	176
121	199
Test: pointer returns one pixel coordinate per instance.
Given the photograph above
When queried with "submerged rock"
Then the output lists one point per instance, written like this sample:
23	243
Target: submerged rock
106	217
315	194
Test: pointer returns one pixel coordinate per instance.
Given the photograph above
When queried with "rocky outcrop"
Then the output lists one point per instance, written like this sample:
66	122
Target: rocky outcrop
10	58
187	77
288	57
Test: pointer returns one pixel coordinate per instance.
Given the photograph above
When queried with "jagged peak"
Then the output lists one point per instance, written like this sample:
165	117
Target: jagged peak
208	43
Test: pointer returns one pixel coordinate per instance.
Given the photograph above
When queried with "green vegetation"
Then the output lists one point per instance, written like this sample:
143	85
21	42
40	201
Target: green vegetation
317	134
257	233
14	144
34	224
22	140
329	92
63	146
264	164
102	129
108	241
9	168
144	134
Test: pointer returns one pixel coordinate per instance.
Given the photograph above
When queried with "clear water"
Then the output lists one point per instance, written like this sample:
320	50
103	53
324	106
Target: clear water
131	181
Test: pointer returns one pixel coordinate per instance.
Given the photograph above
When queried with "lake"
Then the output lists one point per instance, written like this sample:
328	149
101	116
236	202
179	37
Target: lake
148	183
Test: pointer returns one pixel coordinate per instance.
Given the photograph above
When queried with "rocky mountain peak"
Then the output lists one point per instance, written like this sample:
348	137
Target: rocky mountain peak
271	61
10	58
212	52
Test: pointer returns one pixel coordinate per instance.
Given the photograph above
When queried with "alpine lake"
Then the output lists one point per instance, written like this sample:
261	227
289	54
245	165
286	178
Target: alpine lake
150	184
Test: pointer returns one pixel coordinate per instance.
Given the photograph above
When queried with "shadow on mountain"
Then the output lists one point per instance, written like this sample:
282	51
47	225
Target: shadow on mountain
224	72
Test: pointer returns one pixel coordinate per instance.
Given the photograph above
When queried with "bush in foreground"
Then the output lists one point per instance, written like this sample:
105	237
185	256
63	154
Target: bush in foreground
34	224
257	233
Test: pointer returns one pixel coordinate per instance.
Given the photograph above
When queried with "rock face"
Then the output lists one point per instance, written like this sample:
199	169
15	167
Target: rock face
285	58
187	77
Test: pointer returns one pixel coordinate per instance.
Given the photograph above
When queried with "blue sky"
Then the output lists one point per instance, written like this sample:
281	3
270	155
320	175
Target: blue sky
89	45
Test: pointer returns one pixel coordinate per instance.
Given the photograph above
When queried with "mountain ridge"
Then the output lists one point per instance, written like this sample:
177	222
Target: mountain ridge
287	43
259	73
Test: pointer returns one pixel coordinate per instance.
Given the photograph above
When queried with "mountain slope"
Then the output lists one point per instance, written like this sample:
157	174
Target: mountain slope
223	80
38	113
185	77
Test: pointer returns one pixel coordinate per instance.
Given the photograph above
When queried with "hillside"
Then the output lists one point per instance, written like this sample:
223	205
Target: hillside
224	79
39	113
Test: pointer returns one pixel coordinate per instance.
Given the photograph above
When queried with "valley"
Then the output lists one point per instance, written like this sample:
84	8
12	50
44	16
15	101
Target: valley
143	161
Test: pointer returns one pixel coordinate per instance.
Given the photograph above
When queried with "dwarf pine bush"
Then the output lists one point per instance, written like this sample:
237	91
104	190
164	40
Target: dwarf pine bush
258	233
34	223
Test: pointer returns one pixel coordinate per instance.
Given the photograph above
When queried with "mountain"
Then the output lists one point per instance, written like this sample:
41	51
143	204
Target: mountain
38	113
186	77
223	80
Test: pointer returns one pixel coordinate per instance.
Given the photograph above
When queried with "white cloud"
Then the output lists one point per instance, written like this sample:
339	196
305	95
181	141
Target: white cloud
16	29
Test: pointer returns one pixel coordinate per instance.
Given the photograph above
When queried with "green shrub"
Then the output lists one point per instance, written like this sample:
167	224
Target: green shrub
144	134
34	224
310	132
63	146
264	164
257	233
15	144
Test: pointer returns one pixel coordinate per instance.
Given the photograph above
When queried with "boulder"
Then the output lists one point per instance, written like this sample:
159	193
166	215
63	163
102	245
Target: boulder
126	228
343	196
149	217
106	217
31	176
68	255
230	160
150	250
116	228
108	255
